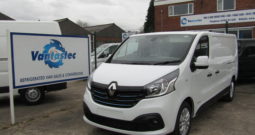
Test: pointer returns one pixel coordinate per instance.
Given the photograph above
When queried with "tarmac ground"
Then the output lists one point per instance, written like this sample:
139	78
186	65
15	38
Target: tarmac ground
61	114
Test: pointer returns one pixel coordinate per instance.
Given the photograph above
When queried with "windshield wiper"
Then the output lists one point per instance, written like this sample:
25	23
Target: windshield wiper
166	62
138	63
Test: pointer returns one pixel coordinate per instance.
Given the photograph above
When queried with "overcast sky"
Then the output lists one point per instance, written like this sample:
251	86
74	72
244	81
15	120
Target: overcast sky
129	14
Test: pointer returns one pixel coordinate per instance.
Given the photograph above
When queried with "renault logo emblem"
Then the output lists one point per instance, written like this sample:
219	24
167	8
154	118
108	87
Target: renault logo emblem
112	89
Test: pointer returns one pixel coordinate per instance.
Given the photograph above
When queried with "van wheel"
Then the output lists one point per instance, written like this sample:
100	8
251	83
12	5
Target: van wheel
33	96
183	122
231	94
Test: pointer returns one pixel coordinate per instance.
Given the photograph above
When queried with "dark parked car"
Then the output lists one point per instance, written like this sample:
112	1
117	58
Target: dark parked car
246	58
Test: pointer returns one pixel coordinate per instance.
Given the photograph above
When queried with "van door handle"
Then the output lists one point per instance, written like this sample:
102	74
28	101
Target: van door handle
209	75
217	72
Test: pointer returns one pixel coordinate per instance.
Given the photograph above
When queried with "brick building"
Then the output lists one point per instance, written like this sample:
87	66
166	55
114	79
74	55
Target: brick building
69	27
179	15
107	33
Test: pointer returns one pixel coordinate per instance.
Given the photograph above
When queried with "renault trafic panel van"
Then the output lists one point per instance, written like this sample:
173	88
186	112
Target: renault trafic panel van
155	83
31	95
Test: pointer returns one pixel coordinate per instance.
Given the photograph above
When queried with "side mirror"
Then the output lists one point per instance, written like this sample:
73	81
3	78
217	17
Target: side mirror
202	62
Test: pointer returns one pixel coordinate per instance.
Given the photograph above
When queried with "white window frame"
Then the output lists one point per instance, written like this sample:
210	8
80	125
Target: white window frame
173	7
222	4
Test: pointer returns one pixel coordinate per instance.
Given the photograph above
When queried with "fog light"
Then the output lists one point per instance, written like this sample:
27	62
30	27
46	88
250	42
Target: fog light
150	122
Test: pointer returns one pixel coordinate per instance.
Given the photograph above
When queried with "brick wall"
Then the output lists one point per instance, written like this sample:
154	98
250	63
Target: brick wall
165	23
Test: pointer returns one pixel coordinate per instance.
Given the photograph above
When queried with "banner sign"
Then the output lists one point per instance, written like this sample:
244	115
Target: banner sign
218	18
40	59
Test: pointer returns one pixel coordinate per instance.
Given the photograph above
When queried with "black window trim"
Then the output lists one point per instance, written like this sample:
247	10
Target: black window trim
192	62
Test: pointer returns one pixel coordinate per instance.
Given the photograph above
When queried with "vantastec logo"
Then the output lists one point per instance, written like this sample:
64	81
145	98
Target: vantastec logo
184	21
53	54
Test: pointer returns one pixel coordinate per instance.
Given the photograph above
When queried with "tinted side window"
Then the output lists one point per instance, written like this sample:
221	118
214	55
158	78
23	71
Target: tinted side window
202	48
249	52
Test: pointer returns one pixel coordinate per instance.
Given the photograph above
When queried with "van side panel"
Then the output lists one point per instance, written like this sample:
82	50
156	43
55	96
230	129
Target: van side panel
223	59
3	47
3	62
3	73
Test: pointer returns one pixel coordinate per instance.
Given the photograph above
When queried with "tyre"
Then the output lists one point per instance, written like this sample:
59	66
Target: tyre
33	96
183	122
231	93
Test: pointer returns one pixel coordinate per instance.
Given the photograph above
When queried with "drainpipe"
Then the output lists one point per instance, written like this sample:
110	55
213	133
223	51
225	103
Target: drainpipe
161	18
226	26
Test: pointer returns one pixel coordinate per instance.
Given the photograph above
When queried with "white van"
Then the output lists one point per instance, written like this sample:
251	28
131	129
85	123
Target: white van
155	83
31	95
104	51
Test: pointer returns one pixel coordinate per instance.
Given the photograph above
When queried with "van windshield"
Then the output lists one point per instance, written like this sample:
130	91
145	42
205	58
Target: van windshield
168	49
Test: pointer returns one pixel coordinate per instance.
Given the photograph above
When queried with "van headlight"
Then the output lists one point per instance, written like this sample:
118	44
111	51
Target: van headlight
163	85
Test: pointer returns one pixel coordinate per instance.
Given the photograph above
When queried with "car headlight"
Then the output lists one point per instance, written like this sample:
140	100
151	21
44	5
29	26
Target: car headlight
89	81
163	85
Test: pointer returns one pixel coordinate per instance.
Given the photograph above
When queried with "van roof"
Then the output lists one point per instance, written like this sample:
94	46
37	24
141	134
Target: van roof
43	27
10	21
25	27
26	22
183	32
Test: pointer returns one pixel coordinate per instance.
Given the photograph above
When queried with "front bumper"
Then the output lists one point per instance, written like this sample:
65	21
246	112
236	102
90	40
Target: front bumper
158	115
147	122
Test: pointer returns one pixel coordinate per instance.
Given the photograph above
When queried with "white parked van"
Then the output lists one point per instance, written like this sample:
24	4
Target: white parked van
155	83
104	51
31	95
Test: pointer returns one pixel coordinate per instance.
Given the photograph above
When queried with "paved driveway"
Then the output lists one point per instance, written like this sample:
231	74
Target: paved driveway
61	114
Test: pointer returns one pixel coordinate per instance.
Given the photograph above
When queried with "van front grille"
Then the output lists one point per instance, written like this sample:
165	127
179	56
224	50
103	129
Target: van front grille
125	97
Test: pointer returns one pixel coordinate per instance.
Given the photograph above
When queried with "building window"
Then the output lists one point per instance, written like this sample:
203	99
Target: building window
245	34
182	9
223	5
235	32
242	33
